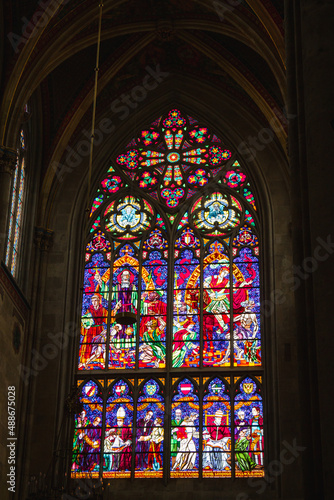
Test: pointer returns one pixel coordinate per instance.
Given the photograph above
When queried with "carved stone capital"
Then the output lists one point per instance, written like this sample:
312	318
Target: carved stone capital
8	159
43	238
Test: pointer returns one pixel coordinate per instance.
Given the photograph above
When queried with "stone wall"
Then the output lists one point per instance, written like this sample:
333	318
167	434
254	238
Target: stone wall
14	313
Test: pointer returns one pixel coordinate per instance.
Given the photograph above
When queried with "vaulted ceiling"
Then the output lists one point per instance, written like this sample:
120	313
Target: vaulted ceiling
237	46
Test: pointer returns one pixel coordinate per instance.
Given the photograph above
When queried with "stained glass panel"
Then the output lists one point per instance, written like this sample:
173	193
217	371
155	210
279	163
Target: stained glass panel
87	434
150	431
185	431
94	316
246	301
186	317
119	432
171	288
216	214
124	300
16	208
249	441
216	430
170	155
216	308
152	347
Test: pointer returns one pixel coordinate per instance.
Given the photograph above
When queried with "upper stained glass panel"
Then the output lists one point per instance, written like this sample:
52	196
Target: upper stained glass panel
173	158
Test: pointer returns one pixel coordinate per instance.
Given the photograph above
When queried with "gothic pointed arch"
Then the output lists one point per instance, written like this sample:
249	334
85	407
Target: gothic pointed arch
171	308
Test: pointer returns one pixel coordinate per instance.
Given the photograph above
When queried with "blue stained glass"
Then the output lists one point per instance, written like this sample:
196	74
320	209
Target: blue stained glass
187	238
98	243
245	255
249	271
155	272
15	216
211	296
97	260
150	431
217	247
245	237
126	250
218	355
87	433
22	140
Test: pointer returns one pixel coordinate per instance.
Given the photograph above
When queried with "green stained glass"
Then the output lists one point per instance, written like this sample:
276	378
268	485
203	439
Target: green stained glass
171	291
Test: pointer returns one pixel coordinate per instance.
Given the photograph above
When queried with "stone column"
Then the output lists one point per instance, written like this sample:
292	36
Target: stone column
310	75
34	374
8	158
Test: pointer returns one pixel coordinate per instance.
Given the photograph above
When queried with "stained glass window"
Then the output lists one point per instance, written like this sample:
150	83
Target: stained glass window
170	343
16	208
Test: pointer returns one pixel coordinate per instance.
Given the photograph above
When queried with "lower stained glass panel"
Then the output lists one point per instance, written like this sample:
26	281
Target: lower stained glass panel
216	430
87	433
248	430
118	436
150	431
191	449
184	460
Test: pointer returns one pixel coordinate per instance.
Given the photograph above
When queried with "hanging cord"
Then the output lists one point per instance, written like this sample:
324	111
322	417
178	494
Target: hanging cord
92	137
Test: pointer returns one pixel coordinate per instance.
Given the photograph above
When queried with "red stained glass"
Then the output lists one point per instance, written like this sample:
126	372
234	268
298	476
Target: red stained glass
184	275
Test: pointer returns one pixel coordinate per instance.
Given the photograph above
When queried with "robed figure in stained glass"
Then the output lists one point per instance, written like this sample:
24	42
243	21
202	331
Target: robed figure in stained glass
94	330
185	269
257	435
125	292
91	447
186	456
240	423
243	459
183	334
216	304
218	440
78	442
120	438
154	452
175	443
152	328
144	429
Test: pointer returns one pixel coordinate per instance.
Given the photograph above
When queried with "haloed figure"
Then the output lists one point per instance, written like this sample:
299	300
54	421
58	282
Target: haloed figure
125	292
